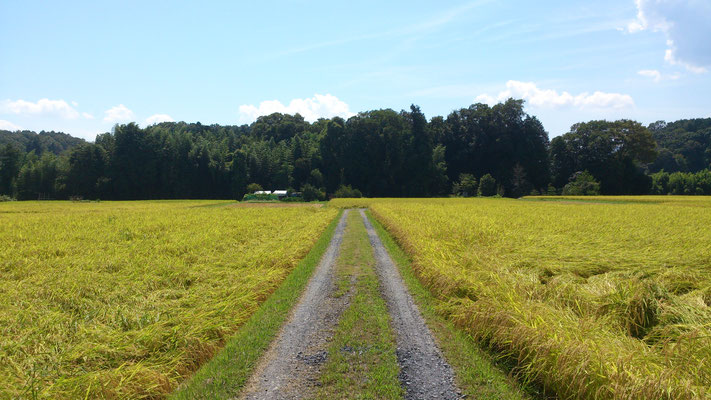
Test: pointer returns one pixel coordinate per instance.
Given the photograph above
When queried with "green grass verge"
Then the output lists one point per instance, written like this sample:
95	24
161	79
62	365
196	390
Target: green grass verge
477	373
362	363
225	375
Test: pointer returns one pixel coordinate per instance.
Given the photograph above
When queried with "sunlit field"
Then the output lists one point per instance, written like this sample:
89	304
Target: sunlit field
594	297
693	201
126	299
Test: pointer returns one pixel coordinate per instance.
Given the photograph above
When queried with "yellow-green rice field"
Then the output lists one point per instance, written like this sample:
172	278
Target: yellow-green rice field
595	297
126	299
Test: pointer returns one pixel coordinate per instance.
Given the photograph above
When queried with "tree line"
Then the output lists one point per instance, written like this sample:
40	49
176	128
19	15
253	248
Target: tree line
478	150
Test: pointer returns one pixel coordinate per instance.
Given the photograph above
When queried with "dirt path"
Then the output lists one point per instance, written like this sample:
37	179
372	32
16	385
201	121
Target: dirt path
423	371
291	366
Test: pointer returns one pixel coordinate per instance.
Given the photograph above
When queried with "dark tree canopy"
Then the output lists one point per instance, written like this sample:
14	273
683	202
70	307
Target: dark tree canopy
497	140
613	152
478	150
684	145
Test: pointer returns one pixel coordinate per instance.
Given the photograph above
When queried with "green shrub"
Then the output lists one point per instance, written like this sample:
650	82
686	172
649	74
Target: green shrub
582	183
296	199
311	193
466	187
346	191
254	187
260	197
682	183
487	185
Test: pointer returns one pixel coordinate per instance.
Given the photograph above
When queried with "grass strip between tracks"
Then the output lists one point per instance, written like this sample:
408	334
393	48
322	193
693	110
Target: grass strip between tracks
225	375
361	356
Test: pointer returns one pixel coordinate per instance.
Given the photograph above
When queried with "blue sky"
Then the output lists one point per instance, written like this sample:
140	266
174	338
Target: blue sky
81	67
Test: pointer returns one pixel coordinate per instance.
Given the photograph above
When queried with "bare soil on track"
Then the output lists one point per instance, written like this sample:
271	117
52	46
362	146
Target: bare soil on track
291	367
424	373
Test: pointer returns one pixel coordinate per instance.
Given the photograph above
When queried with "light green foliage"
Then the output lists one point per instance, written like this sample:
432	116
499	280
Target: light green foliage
487	186
254	187
682	183
582	184
125	300
466	187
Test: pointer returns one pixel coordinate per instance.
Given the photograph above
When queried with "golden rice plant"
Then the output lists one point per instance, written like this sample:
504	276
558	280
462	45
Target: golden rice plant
601	299
124	300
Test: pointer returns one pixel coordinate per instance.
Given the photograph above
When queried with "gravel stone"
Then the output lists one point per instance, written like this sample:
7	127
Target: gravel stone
291	366
424	372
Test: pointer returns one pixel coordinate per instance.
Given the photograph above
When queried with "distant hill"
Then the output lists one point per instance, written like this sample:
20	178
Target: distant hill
55	142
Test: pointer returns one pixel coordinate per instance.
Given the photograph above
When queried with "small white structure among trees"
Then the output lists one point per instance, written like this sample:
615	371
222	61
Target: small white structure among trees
280	193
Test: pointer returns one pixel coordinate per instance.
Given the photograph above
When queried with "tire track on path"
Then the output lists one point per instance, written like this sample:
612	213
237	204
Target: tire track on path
290	368
424	373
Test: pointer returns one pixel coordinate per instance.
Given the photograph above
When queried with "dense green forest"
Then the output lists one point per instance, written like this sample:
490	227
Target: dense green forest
28	141
480	149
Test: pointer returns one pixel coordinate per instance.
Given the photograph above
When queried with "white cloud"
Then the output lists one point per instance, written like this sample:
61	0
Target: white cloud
657	76
8	126
548	98
75	104
319	106
687	26
485	98
651	73
87	115
43	106
119	113
671	59
156	118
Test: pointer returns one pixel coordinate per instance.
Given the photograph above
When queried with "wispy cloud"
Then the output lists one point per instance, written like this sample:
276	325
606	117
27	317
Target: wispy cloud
42	107
9	126
651	73
656	75
443	18
554	29
438	21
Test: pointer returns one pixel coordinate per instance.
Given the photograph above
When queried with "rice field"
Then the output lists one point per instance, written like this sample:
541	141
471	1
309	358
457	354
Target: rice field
127	299
595	297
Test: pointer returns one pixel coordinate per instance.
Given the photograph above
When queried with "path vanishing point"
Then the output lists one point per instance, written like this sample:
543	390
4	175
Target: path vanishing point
290	368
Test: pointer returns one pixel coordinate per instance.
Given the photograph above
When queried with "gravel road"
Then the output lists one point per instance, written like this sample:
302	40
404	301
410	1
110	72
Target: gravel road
290	368
423	371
